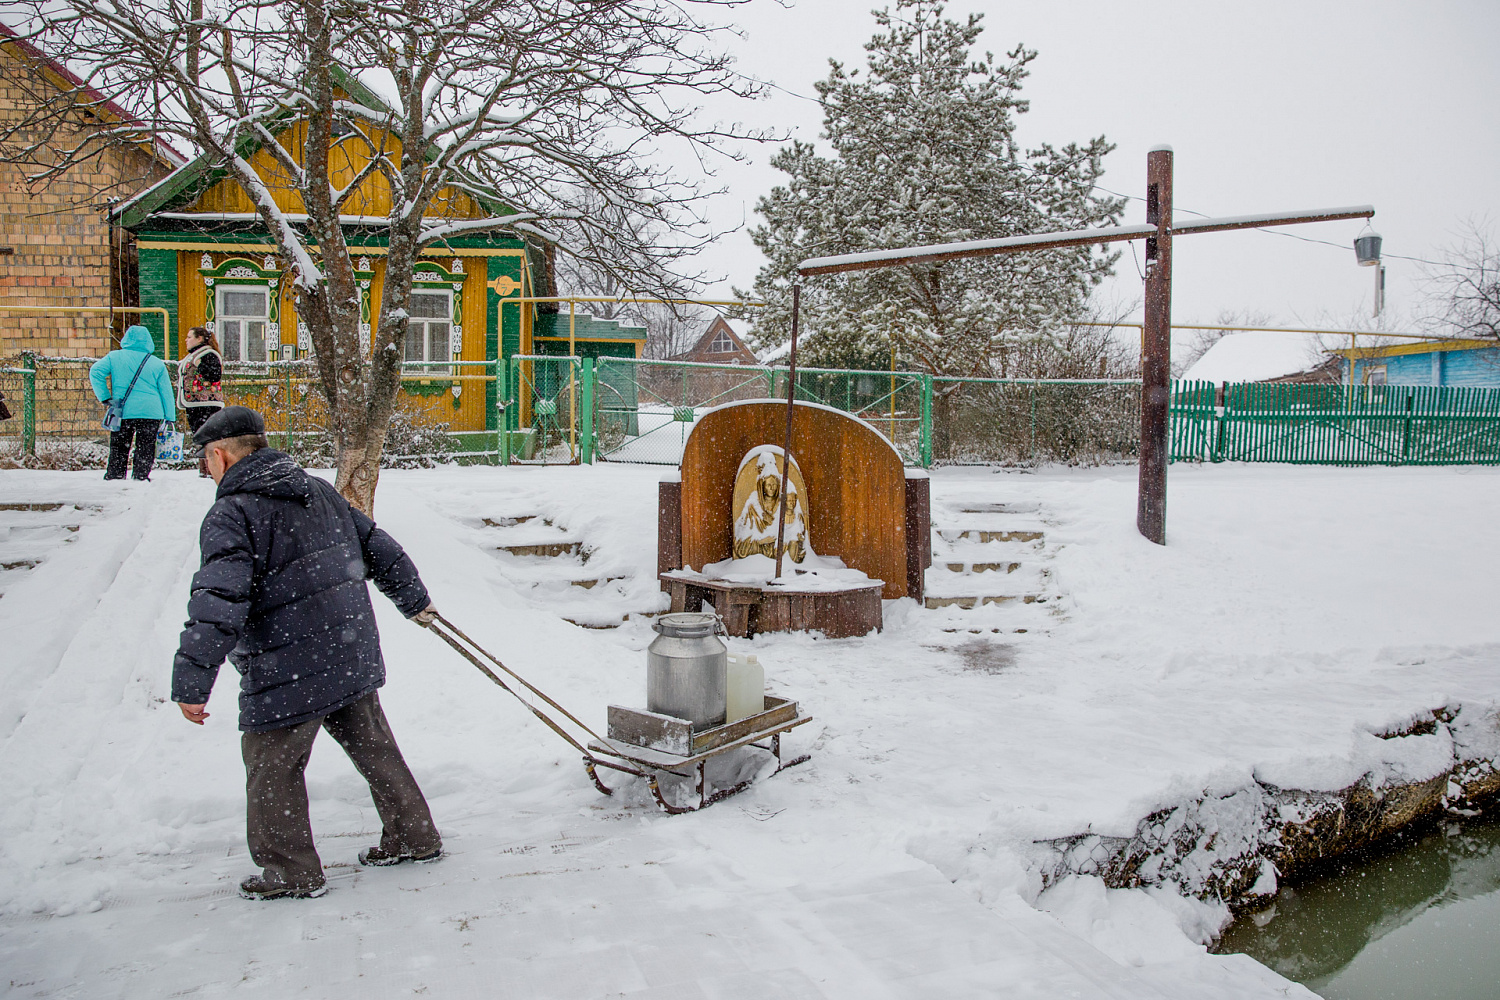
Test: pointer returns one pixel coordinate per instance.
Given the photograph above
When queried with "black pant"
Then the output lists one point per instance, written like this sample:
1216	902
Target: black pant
278	827
197	416
143	432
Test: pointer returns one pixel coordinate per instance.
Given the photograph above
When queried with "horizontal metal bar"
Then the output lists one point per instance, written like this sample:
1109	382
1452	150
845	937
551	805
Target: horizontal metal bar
971	248
1228	222
1073	238
1038	381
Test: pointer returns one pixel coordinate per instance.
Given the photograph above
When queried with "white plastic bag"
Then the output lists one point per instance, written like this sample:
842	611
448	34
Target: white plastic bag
168	443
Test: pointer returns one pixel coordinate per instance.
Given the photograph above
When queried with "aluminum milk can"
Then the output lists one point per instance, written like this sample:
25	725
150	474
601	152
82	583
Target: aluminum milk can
687	669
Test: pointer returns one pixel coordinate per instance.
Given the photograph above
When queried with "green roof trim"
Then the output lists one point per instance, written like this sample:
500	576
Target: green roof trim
585	327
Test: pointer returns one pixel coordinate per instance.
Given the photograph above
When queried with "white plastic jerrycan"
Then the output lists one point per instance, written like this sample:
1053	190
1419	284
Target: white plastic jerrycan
747	687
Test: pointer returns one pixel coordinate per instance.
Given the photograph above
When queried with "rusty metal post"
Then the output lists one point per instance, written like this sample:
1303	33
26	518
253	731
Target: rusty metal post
786	451
1156	353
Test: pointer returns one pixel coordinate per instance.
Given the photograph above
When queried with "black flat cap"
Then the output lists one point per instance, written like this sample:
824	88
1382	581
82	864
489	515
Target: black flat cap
231	421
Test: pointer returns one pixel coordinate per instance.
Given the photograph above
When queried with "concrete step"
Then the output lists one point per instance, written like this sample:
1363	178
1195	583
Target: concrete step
967	603
1020	507
970	568
546	549
984	536
591	584
507	522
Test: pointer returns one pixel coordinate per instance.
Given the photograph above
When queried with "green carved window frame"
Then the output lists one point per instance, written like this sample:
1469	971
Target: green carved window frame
243	272
431	276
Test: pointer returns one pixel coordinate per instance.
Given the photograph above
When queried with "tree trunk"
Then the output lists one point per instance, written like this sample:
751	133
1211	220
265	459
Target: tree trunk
358	469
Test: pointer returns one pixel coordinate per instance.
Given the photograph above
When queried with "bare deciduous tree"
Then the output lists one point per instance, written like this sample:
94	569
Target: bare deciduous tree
528	109
1464	288
671	327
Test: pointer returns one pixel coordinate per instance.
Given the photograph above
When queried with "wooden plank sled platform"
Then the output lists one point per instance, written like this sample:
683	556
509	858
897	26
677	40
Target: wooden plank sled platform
660	735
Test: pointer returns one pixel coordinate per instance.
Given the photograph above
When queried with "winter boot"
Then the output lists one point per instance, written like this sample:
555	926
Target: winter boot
261	887
379	856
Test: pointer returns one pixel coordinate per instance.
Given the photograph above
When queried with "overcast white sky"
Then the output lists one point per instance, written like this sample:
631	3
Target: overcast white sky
1270	106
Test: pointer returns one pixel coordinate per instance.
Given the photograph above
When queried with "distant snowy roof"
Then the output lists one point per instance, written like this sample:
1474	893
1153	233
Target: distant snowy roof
1256	355
741	328
771	354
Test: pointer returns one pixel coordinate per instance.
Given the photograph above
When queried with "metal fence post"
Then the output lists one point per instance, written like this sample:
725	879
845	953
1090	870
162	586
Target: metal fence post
28	404
502	418
1031	438
926	421
586	417
287	415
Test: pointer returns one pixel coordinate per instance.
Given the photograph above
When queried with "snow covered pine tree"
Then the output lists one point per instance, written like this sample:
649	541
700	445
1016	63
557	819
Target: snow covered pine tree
924	151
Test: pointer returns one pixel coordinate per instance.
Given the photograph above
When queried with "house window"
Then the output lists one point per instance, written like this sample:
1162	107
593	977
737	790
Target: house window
1375	375
242	322
427	331
723	344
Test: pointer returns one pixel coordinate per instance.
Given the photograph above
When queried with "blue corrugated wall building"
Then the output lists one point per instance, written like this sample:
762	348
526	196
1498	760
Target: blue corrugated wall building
1469	362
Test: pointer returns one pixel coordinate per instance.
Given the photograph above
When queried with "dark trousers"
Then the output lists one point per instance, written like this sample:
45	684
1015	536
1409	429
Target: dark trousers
197	416
278	828
143	433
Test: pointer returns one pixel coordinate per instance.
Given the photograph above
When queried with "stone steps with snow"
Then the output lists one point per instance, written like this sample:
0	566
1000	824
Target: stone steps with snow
987	554
559	572
32	531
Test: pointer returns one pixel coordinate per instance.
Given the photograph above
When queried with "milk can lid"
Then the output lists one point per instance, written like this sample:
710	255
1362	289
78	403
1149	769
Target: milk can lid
687	625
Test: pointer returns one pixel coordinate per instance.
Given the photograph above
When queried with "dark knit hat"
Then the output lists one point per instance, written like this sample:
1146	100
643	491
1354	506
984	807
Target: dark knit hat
231	421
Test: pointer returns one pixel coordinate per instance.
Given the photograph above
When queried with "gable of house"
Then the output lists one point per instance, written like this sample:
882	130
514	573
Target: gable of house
719	344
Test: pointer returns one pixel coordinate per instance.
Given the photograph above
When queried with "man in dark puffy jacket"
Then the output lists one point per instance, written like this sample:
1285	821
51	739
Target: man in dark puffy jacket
282	591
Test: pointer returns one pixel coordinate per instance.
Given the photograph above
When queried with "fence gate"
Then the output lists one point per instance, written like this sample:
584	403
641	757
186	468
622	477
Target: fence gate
550	411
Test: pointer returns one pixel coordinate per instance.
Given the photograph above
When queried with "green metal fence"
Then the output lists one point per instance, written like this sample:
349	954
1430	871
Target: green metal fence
644	410
1035	421
1335	424
553	409
57	422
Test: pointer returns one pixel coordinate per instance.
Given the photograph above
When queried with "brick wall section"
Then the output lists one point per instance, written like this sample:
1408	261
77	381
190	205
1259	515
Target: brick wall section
59	237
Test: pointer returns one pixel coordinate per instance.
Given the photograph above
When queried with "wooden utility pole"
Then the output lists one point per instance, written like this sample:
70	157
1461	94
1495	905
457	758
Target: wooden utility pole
1156	352
1156	349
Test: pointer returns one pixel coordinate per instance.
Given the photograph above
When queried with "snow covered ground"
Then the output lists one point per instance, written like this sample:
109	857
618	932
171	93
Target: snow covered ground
1295	611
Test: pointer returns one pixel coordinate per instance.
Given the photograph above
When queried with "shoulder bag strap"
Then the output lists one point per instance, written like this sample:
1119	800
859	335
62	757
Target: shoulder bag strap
132	381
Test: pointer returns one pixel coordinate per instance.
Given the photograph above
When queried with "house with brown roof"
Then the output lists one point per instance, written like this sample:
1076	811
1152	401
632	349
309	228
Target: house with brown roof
58	248
721	344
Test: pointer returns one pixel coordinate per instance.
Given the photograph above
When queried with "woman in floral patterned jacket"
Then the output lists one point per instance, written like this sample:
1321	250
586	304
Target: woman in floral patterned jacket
198	378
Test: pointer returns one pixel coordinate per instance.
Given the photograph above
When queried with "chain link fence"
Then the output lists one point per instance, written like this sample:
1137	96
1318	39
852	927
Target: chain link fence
546	409
1035	421
644	410
56	419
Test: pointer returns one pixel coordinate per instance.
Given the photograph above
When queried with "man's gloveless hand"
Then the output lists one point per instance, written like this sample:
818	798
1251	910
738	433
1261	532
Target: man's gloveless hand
426	616
193	713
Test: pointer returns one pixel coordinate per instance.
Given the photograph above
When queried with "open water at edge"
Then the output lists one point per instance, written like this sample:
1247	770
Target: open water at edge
1420	918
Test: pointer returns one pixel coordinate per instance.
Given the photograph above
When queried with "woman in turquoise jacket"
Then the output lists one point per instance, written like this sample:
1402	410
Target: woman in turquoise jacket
152	401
